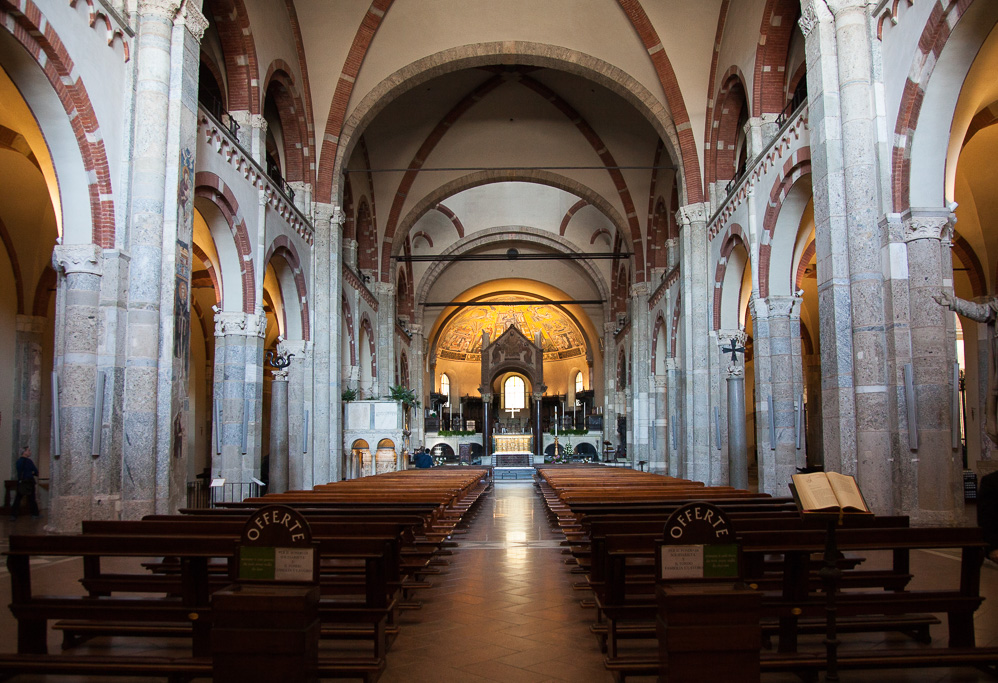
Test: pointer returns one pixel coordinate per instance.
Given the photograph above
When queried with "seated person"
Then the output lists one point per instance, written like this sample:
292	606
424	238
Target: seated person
423	459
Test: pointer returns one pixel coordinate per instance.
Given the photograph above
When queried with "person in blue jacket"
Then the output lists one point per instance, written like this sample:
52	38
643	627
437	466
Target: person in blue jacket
423	459
26	473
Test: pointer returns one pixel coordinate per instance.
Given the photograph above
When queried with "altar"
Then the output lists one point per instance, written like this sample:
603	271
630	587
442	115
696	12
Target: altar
513	443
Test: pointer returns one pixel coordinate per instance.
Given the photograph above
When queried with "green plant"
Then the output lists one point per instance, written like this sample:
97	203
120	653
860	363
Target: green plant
404	395
349	394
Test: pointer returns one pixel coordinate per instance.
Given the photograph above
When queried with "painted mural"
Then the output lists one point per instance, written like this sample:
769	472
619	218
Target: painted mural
461	338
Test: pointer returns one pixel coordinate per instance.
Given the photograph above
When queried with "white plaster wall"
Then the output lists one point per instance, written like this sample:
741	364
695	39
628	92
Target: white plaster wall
739	44
275	42
898	48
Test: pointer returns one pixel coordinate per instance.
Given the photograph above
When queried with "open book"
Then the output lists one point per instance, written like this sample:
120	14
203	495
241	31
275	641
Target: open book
828	492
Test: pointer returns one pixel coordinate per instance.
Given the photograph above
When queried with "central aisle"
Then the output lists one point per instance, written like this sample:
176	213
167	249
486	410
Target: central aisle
504	610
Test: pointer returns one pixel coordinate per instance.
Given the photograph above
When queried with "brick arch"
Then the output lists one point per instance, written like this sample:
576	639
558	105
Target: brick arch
458	225
209	186
938	28
367	238
297	148
797	166
477	95
659	324
722	17
282	246
241	69
32	30
479	178
668	122
597	233
732	238
805	258
365	325
769	77
571	212
43	292
15	266
212	275
968	257
422	235
732	101
348	319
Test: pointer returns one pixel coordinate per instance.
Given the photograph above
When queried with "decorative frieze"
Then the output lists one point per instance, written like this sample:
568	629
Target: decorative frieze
194	20
240	324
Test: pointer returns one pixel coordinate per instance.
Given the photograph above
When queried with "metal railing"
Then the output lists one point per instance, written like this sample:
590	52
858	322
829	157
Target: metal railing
202	496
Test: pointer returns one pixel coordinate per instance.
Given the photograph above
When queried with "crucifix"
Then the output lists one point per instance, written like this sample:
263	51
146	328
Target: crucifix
733	349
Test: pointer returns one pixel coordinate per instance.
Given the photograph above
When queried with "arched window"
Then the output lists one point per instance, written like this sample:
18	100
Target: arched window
578	386
514	391
445	388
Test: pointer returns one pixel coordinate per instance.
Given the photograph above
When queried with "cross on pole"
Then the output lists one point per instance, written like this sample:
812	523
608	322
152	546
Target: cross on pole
733	349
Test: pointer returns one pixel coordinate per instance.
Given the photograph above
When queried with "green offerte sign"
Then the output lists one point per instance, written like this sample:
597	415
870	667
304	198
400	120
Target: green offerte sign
257	563
720	561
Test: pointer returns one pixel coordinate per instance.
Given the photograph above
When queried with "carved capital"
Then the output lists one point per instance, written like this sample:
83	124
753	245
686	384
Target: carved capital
383	289
693	213
808	18
78	258
660	381
299	350
735	370
240	324
933	225
329	213
32	324
610	328
194	20
159	8
779	306
671	364
639	289
280	375
724	337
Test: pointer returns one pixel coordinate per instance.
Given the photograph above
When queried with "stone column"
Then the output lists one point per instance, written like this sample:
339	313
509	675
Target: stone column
609	384
28	384
299	443
640	390
278	432
660	452
350	253
783	379
696	338
417	361
252	135
238	390
737	447
931	488
328	444
536	429
385	332
487	428
76	321
674	423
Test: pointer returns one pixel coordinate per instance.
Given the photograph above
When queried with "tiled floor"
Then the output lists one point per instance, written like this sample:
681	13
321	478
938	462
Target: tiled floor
505	610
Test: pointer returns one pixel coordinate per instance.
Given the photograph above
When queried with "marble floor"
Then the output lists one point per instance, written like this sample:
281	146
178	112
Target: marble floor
504	608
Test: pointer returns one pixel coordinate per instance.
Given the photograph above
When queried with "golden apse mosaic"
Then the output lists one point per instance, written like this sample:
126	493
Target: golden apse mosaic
461	338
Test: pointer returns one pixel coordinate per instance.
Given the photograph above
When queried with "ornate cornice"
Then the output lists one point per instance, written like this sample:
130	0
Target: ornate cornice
240	324
78	258
808	18
928	227
693	213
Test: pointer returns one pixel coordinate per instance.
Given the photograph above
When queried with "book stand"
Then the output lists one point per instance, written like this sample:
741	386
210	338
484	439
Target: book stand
830	575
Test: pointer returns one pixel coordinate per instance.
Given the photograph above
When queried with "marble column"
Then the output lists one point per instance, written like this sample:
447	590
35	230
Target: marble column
328	443
784	381
931	489
417	361
696	339
238	391
278	432
812	366
76	322
660	452
28	384
487	428
300	419
674	422
640	389
609	384
350	253
737	448
385	333
536	429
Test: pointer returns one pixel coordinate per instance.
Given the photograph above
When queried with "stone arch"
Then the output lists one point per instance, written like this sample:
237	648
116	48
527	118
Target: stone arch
805	258
655	350
367	330
241	69
210	187
338	145
480	178
733	103
284	248
297	148
78	133
216	286
676	312
922	134
797	166
733	238
348	319
568	216
968	257
458	225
